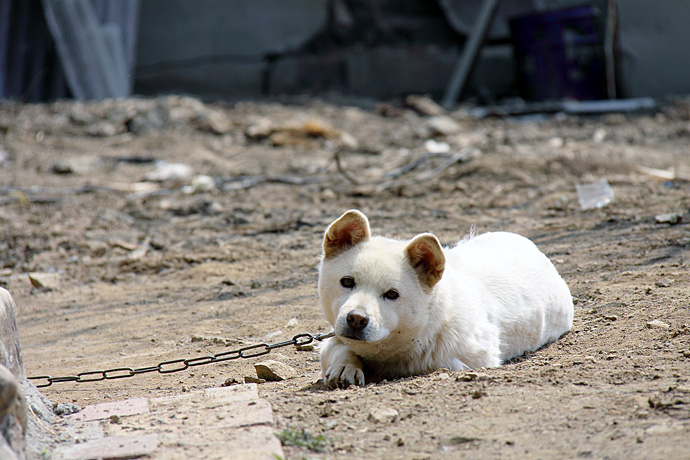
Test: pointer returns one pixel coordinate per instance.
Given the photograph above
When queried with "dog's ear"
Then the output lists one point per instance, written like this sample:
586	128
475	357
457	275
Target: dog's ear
349	230
426	257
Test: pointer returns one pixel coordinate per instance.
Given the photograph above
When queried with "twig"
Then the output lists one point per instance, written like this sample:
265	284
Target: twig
342	170
450	159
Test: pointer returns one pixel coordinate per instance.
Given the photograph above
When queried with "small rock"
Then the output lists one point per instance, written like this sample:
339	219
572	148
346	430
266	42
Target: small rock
461	440
442	125
170	173
556	142
66	408
383	415
476	394
274	370
672	218
424	105
260	129
250	379
433	146
47	281
292	323
656	324
599	135
115	419
610	317
203	183
663	283
215	121
349	141
470	376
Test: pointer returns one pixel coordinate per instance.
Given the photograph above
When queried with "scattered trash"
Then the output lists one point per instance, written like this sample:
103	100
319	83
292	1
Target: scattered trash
594	195
433	146
274	370
47	281
643	104
672	218
663	174
170	173
300	135
203	183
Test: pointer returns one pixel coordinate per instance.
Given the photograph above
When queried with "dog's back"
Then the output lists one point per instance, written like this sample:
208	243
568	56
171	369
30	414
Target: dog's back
517	287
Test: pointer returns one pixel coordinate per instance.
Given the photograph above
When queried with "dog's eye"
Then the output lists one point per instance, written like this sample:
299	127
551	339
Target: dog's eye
347	282
391	294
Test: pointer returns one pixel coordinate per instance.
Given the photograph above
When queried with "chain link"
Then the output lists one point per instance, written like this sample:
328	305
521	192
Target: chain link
177	365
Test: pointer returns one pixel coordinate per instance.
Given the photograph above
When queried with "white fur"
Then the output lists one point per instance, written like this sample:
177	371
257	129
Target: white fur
498	297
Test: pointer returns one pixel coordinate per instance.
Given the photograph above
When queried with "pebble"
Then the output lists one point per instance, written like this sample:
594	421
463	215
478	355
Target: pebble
656	324
610	317
274	370
250	379
663	283
424	105
470	376
383	415
441	125
672	218
599	135
48	281
433	146
203	183
556	142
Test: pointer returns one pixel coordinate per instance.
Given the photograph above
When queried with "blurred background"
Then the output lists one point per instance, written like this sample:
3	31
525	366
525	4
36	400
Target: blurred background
481	51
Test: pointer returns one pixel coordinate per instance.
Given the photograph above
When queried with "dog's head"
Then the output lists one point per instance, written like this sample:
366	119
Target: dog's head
376	291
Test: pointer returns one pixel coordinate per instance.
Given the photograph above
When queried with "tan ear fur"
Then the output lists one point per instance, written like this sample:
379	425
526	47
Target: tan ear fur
426	256
348	231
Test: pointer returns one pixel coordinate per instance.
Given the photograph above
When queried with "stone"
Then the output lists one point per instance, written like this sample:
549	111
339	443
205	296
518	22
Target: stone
18	420
47	281
13	412
274	370
424	105
671	218
383	415
441	125
10	352
170	173
656	324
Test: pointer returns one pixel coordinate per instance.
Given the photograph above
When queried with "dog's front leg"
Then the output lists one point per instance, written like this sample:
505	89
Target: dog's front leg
340	367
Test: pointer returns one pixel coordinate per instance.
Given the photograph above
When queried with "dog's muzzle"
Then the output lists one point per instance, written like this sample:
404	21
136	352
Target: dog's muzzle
356	324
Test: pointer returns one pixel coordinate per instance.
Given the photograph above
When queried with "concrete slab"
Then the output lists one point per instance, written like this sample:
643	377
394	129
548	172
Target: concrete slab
112	447
106	410
216	423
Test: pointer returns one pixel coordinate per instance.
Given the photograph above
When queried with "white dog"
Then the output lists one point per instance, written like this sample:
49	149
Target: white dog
402	308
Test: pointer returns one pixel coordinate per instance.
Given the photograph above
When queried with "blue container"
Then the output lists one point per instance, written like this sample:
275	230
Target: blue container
560	54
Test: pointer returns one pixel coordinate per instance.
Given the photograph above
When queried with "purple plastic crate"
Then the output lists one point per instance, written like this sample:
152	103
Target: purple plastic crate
560	54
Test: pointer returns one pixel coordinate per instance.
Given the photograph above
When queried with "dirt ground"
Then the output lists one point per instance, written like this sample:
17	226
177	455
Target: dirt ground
136	272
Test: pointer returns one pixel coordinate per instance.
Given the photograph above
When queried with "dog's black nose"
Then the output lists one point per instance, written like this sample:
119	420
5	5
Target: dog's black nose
357	321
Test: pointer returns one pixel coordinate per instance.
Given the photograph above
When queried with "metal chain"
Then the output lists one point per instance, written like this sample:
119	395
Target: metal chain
177	365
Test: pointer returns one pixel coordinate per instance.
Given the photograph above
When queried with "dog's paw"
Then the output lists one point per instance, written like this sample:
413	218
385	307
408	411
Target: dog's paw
342	376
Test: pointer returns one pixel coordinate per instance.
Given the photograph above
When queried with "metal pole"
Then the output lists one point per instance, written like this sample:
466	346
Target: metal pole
470	52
